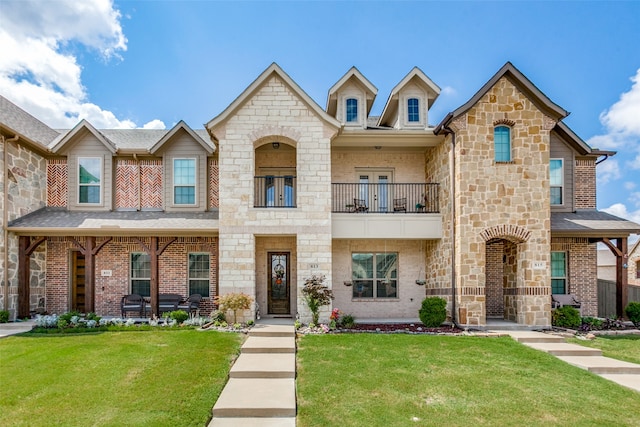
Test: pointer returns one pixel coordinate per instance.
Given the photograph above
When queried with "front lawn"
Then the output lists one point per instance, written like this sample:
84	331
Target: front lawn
150	378
622	347
404	380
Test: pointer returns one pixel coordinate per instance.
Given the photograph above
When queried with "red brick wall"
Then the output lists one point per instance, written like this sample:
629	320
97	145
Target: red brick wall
585	184
151	183
213	183
57	187
494	274
114	256
582	271
127	184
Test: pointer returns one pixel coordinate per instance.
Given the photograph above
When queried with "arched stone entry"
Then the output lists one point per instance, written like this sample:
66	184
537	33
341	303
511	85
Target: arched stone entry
501	270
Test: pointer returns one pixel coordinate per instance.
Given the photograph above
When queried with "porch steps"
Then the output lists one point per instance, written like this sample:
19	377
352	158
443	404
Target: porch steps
261	390
624	373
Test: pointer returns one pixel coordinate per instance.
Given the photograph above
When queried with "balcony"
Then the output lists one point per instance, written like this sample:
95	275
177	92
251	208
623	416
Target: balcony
382	210
274	192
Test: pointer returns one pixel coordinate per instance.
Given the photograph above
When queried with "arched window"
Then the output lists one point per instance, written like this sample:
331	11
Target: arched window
352	110
502	143
413	110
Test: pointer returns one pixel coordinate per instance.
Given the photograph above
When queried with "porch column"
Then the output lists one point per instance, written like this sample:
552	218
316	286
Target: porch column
622	288
25	249
90	250
154	252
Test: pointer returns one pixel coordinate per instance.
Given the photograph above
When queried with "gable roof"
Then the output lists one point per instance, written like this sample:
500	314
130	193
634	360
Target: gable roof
273	70
84	124
17	121
352	74
416	74
181	125
635	247
525	85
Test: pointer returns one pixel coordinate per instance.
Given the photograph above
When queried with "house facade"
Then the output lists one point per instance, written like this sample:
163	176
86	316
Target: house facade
492	209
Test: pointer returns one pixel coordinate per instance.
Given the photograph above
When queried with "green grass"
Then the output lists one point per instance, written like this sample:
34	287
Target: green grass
404	380
622	347
151	378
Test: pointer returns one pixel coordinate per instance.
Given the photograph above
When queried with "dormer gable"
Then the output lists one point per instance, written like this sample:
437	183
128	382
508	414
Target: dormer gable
83	128
409	102
172	134
351	98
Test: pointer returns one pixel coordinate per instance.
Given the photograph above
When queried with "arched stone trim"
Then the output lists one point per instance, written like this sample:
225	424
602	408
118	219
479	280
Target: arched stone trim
512	233
271	133
505	122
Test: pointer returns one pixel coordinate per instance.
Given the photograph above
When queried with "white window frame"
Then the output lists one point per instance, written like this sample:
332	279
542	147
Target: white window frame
409	121
346	110
566	271
174	185
101	163
561	183
131	278
189	278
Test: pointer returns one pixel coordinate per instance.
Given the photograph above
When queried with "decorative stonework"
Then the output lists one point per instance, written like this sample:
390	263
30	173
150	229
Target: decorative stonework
504	121
214	180
272	133
57	187
151	184
459	123
548	123
512	233
127	184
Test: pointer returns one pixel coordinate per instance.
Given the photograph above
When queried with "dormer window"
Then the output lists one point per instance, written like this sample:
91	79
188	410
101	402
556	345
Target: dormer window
413	110
352	110
502	143
184	181
89	180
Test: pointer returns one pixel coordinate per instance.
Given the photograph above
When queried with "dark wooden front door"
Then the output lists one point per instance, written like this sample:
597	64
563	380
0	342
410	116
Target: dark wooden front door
279	291
77	282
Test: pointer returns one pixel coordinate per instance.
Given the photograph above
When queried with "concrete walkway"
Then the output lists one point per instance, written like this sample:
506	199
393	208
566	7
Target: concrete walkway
624	373
261	390
13	328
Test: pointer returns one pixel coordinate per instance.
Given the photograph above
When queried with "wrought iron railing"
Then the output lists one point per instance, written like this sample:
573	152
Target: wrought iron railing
274	192
385	198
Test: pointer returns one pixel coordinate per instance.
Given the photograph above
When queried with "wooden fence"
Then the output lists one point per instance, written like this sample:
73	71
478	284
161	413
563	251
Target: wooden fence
607	297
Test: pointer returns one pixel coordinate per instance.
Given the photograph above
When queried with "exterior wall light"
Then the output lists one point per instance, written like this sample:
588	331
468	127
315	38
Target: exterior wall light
275	145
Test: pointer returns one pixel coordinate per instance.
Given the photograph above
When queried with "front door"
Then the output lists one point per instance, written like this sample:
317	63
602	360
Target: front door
279	290
77	282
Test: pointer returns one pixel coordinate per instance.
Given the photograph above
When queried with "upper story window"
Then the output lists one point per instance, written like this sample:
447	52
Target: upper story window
413	110
502	143
556	175
352	110
89	179
184	181
199	274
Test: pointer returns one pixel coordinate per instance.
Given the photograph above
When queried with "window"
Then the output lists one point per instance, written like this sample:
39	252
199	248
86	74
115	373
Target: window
352	110
638	270
199	274
556	176
502	143
558	272
413	110
375	275
89	179
140	274
184	181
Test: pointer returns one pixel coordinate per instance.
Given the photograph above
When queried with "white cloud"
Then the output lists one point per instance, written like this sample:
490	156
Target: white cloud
629	185
38	70
448	90
607	171
620	210
154	124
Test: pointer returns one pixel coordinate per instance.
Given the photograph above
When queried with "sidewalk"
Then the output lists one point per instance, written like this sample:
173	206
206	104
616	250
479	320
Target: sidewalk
13	328
624	373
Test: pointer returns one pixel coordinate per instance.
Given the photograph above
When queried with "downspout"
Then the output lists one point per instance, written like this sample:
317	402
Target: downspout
5	218
452	162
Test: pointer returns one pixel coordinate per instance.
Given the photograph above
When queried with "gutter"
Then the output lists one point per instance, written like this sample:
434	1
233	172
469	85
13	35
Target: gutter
5	216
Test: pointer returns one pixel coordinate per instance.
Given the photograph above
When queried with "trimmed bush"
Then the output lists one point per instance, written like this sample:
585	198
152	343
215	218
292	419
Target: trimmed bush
433	312
179	316
566	317
4	316
633	312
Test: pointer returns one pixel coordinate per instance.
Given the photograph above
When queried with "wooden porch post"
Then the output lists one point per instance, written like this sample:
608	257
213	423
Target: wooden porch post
622	288
90	250
25	249
154	252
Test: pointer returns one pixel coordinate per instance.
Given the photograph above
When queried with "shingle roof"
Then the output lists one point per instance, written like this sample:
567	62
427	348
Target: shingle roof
56	221
23	123
592	223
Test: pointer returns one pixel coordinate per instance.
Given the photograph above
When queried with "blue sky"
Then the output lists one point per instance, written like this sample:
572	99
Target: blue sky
153	63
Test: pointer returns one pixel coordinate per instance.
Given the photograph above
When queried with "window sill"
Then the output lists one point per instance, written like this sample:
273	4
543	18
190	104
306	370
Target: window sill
375	299
510	162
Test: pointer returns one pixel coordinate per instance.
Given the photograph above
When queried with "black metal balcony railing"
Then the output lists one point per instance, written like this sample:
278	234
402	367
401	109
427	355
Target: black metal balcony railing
274	192
386	198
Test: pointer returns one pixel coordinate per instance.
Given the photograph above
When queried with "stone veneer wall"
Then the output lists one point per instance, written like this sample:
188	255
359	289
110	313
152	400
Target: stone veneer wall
585	184
582	280
264	245
632	268
510	194
274	113
114	256
26	188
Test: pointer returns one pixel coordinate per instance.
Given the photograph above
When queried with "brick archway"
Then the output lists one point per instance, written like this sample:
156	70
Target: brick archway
512	233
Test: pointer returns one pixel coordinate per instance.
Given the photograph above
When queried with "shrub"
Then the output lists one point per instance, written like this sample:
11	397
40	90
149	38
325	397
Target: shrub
633	312
348	321
179	316
591	323
566	317
234	302
433	312
4	316
217	315
316	295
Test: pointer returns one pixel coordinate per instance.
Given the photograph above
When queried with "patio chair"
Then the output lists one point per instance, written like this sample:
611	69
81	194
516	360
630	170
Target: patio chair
560	300
359	205
400	205
192	304
132	302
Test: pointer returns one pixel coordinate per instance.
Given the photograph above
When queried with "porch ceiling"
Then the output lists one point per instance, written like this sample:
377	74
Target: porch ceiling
62	222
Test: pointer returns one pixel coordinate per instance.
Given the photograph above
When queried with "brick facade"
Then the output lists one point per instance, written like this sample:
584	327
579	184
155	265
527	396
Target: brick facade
582	267
585	184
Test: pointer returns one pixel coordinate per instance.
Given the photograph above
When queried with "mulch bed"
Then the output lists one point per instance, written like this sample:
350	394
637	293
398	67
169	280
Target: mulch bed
411	328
